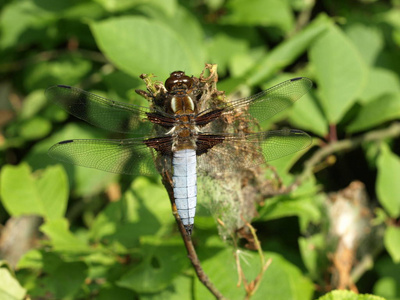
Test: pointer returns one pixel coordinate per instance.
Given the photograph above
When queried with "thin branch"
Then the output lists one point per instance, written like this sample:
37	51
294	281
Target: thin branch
303	18
187	239
347	144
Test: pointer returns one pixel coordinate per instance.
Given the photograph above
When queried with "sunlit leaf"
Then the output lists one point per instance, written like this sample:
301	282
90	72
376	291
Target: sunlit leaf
136	45
341	72
260	12
286	52
180	288
34	128
166	6
387	183
45	195
10	288
348	295
19	193
84	181
281	280
61	238
306	114
380	82
369	40
392	242
143	210
376	112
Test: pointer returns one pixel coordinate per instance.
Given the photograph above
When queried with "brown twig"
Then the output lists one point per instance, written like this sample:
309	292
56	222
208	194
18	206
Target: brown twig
187	239
253	286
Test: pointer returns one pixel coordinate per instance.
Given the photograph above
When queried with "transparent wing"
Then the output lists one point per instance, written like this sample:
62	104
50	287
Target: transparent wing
237	152
128	156
268	103
99	111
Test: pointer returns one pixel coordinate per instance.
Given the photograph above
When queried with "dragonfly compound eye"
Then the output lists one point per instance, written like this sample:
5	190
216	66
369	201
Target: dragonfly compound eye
178	79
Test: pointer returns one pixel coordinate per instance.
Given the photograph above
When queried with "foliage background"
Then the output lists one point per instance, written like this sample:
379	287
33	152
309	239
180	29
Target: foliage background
106	236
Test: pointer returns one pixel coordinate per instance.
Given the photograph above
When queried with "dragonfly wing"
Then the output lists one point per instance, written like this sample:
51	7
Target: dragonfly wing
268	103
279	143
128	156
237	152
99	111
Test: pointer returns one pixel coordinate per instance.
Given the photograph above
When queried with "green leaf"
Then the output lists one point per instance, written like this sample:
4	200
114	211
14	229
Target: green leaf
341	72
241	63
19	192
137	45
186	26
311	249
180	288
306	114
388	285
45	195
376	112
34	128
285	206
67	279
10	288
348	295
162	262
143	210
114	292
166	6
216	48
380	82
84	181
392	242
32	104
33	259
259	13
53	188
286	52
368	39
387	183
61	238
22	22
281	280
68	69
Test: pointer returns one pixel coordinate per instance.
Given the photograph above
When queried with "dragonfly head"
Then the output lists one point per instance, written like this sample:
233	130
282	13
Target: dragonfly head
178	80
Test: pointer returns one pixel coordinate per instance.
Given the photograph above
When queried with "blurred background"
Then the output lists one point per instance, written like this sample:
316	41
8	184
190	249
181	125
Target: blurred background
69	232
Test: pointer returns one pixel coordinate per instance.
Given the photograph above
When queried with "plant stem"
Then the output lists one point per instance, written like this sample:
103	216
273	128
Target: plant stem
187	239
347	144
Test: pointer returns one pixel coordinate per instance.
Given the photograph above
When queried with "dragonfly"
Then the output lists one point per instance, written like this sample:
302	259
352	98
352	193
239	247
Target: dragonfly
181	130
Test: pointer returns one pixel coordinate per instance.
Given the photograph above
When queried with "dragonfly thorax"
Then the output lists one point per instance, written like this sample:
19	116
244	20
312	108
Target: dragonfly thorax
182	104
184	132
